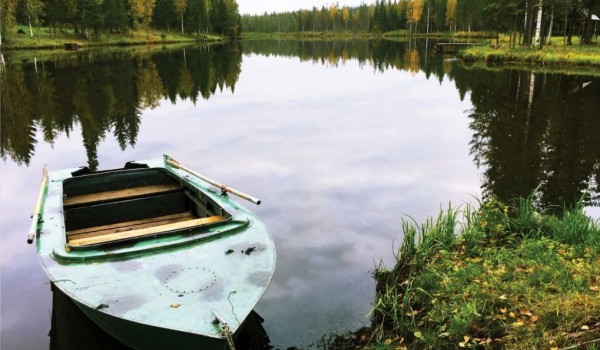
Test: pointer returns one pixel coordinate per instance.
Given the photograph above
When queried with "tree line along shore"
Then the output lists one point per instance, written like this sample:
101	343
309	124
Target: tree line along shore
113	21
550	32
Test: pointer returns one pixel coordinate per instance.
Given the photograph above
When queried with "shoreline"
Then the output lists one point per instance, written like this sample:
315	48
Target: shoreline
493	275
555	56
555	53
67	40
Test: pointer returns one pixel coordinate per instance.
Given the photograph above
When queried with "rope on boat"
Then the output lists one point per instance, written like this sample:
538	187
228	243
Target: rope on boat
225	331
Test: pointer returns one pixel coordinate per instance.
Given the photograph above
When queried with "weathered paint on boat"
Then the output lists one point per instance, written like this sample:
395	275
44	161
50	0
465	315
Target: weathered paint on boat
162	291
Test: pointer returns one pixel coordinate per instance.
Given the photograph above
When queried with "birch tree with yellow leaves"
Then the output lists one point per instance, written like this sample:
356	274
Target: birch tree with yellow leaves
141	12
416	12
451	14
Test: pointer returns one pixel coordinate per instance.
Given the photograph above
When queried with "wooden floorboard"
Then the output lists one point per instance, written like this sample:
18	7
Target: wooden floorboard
129	225
148	231
119	194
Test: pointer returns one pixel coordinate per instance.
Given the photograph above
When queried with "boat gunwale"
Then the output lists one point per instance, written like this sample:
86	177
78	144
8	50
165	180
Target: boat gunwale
166	240
108	254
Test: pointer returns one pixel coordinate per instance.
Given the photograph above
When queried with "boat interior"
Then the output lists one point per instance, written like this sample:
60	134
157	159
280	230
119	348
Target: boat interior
130	204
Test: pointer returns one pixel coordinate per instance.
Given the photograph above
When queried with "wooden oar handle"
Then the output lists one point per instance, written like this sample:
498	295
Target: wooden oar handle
38	208
224	189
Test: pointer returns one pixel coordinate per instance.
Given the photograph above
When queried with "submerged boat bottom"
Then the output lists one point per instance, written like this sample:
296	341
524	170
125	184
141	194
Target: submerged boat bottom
71	329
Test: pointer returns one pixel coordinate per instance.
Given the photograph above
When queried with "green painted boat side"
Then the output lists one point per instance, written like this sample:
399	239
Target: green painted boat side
169	285
149	337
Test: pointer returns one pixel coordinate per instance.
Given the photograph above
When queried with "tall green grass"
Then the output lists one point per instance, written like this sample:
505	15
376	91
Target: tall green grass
492	275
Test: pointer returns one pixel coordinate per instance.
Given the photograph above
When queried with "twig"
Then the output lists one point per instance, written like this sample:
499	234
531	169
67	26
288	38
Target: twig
578	345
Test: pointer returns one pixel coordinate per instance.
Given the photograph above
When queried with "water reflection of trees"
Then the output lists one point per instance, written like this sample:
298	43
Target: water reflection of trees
529	130
535	130
379	54
103	93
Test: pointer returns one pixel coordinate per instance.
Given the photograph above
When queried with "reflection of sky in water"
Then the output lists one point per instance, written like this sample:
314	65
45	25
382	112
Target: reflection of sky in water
336	155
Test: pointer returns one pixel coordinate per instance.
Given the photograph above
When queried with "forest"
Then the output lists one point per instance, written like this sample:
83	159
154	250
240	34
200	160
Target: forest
529	22
532	20
90	17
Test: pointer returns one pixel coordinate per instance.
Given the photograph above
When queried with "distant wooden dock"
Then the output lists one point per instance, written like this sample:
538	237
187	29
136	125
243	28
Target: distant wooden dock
72	46
452	47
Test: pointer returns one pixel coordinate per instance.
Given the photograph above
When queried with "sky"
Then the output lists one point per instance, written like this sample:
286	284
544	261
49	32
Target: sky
260	6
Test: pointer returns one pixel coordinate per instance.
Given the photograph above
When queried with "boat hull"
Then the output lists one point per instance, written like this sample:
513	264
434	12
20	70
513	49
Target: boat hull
145	337
176	289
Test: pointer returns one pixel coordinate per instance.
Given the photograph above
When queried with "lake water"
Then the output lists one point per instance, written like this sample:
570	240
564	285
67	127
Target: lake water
340	140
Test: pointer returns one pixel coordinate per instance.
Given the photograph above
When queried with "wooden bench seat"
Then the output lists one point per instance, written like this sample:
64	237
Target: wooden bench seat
154	229
102	197
129	225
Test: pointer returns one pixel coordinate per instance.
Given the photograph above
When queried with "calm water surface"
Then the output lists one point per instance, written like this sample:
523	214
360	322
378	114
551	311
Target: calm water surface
340	140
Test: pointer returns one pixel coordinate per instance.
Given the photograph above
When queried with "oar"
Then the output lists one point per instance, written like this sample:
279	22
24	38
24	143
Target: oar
224	189
38	207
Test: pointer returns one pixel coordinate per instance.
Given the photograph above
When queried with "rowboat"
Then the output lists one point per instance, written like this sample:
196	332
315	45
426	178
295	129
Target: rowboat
157	255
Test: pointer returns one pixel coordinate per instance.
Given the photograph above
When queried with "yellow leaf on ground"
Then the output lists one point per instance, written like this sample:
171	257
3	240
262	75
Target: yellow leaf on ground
525	312
585	328
518	324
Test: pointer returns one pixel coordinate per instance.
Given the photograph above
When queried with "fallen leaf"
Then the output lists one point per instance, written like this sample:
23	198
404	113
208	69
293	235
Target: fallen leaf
534	318
502	297
525	312
585	328
518	324
503	310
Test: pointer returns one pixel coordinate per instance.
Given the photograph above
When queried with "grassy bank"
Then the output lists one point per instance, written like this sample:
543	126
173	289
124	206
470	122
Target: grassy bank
556	54
513	277
309	35
567	69
439	35
42	39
